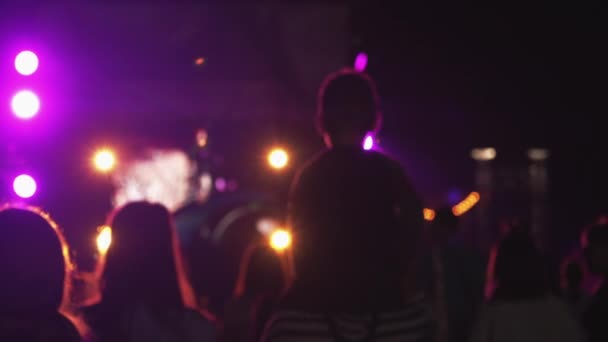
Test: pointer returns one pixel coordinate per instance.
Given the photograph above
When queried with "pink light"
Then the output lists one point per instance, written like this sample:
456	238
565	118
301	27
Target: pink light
220	184
361	62
24	186
26	63
25	104
368	143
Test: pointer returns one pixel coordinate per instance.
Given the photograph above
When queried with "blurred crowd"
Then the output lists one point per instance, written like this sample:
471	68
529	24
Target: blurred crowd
364	265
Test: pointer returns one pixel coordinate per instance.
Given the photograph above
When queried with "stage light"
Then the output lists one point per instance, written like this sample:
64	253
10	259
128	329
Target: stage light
361	62
24	186
104	160
25	104
220	184
429	214
104	239
267	225
278	158
280	240
200	61
465	205
368	142
201	138
483	154
26	63
538	154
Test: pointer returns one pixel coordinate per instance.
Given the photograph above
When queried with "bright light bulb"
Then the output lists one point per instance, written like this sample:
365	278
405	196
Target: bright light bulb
104	160
24	186
104	239
26	63
278	158
25	104
280	240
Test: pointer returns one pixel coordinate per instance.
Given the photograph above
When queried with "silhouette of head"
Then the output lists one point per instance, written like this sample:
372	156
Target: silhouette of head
261	272
445	224
143	263
34	261
347	108
520	270
572	274
595	244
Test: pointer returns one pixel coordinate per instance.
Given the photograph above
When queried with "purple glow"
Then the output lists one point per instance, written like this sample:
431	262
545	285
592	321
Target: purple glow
25	104
220	184
24	186
361	61
26	63
368	143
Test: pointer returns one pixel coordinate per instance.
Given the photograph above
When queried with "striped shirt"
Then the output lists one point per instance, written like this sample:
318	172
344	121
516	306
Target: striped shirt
412	323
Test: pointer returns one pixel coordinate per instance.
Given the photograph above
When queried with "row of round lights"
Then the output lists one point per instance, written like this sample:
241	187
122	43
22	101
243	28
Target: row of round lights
25	105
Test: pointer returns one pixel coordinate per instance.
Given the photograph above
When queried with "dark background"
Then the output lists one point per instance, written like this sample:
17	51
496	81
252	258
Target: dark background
451	77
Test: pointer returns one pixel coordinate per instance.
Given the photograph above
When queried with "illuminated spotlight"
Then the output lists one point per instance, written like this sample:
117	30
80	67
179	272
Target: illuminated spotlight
278	158
280	240
200	61
201	138
25	104
538	154
220	184
429	214
24	186
104	239
368	142
26	63
361	61
465	205
483	154
104	160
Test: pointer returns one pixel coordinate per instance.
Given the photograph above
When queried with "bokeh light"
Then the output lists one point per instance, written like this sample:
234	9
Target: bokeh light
361	61
104	160
24	186
26	63
104	239
483	154
368	142
429	214
466	204
201	138
278	158
280	240
25	104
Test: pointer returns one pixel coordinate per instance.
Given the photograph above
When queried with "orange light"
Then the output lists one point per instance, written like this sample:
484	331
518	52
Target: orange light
278	158
280	240
104	160
429	214
466	204
104	239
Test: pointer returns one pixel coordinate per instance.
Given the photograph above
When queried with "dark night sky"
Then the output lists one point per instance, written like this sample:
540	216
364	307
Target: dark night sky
512	77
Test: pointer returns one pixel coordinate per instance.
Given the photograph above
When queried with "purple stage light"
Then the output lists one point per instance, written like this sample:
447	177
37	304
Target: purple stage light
220	184
361	62
24	186
368	142
26	63
25	104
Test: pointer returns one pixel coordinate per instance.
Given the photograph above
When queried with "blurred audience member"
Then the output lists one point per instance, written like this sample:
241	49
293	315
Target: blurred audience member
523	307
146	295
453	276
34	267
595	318
356	221
572	277
260	282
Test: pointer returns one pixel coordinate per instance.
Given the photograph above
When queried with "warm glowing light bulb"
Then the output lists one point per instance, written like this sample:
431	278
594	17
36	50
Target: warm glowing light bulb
278	158
429	214
25	104
280	240
104	160
104	239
